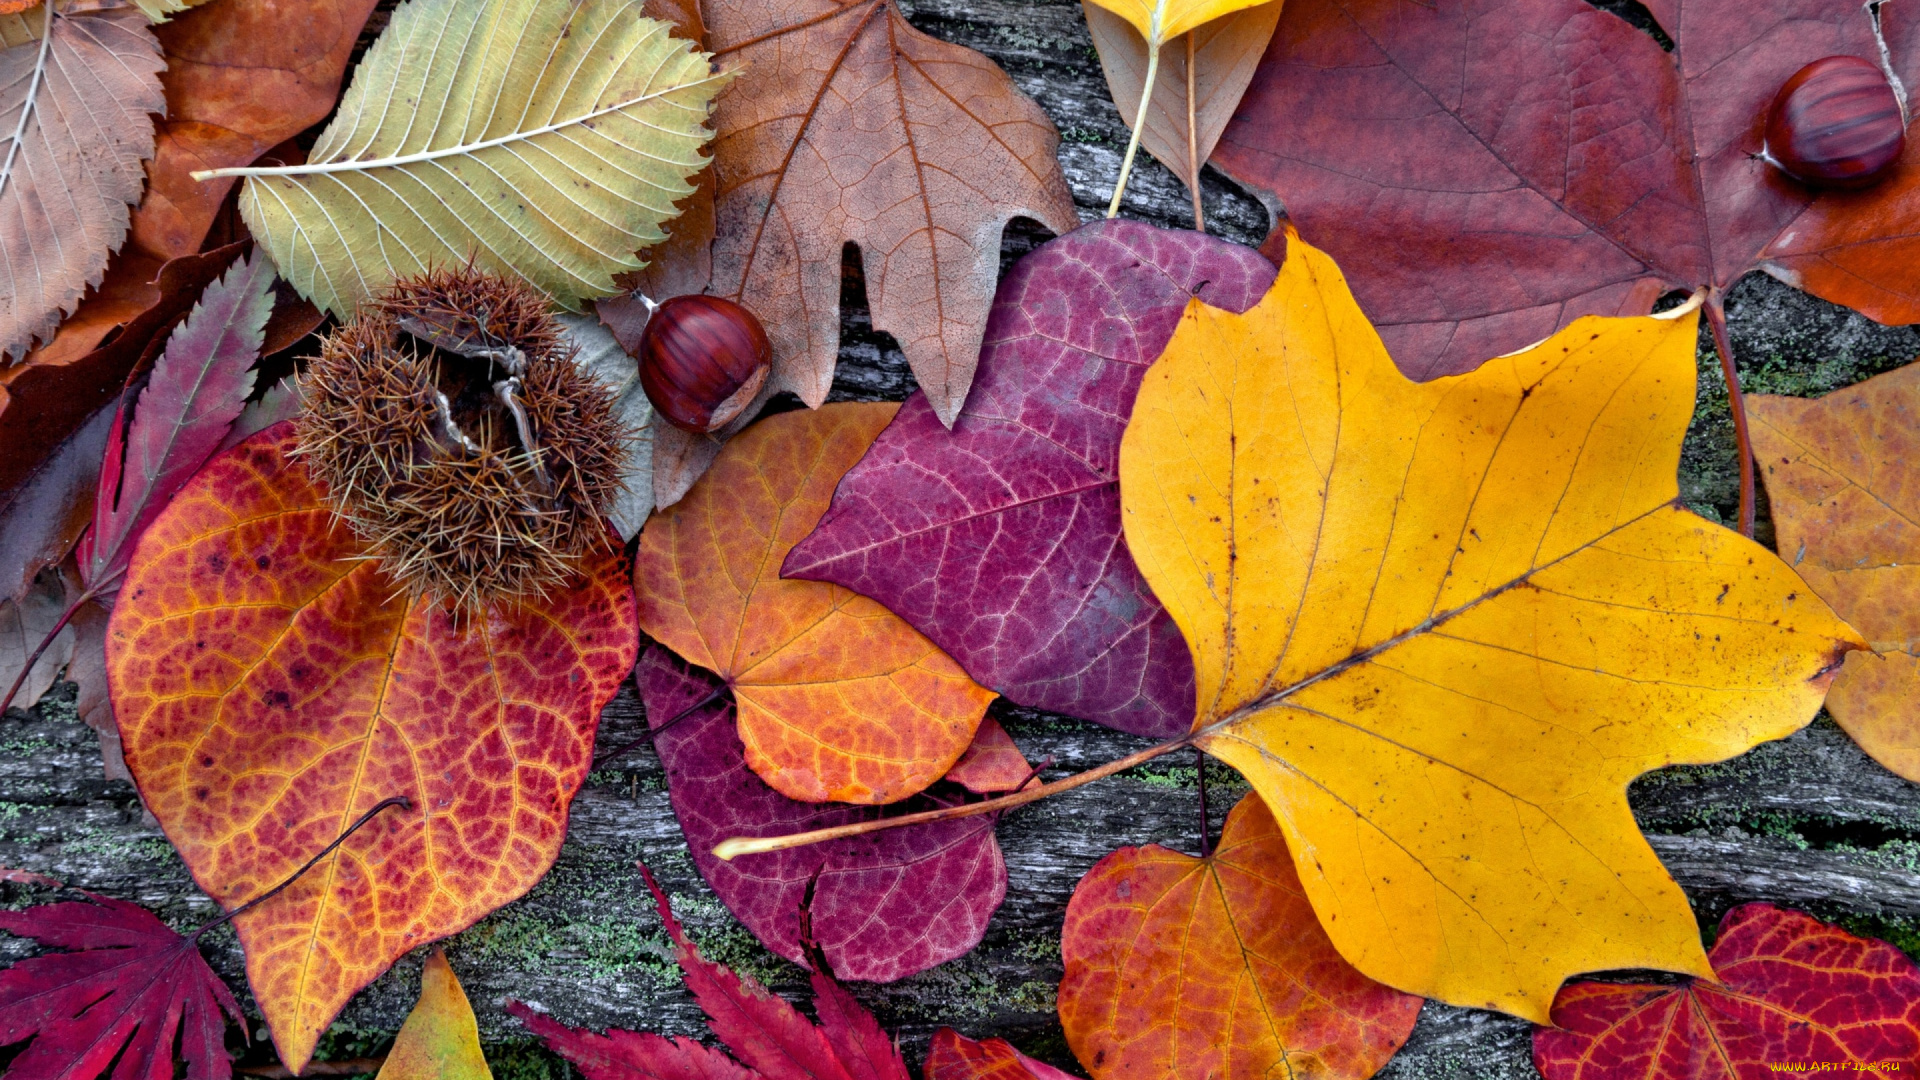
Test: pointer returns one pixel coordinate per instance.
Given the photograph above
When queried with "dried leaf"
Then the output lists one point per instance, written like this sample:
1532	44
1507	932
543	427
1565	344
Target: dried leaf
272	684
1440	627
197	389
600	356
955	1057
25	622
42	517
1225	52
839	699
1001	541
863	130
242	77
1792	991
1839	473
1486	171
440	1039
555	139
128	988
75	127
884	907
1178	966
763	1031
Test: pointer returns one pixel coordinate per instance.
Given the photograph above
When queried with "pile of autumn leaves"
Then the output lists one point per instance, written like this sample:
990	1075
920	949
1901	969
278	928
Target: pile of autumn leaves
1156	481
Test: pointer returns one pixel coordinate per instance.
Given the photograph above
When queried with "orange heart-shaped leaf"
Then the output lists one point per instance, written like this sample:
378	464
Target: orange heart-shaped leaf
839	699
1217	967
271	686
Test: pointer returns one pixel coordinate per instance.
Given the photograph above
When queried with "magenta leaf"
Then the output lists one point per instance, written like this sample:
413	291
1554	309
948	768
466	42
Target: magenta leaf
884	906
129	981
1000	540
196	390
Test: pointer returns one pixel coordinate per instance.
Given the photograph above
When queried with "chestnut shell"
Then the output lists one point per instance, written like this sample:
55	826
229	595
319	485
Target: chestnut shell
1836	124
702	361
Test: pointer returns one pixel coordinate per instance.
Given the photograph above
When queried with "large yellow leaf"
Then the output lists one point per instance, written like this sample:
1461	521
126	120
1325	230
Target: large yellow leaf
540	139
1440	626
1160	21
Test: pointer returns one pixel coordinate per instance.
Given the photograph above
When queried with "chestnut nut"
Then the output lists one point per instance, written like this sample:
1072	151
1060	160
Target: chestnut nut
703	359
1836	124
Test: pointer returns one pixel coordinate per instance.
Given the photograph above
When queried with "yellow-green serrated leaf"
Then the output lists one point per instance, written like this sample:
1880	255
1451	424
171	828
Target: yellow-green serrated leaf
541	140
159	10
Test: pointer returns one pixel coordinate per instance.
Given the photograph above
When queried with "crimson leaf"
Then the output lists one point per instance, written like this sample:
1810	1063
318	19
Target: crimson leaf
129	982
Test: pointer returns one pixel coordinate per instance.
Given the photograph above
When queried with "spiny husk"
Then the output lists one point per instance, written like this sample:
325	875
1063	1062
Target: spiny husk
467	525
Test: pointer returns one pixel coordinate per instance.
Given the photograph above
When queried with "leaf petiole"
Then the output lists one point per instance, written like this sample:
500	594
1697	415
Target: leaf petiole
726	850
1139	125
397	800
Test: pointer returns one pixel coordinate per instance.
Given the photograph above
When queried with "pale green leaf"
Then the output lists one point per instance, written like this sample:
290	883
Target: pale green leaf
537	139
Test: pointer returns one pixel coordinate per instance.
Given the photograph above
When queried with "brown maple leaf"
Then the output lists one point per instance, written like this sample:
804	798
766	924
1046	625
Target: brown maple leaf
852	127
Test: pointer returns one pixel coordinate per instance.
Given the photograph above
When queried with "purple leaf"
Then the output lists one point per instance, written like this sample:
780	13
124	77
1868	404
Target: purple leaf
1001	540
197	388
884	906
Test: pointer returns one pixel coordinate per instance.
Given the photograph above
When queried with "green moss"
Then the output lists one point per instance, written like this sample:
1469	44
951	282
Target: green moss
1903	934
524	1060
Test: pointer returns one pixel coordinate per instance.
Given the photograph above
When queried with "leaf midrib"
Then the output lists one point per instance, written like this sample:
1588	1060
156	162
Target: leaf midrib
463	149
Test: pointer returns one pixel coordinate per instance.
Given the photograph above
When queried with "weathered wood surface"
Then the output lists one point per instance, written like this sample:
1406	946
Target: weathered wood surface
1809	821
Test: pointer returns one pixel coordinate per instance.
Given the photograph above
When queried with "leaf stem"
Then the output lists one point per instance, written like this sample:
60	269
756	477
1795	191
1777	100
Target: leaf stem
397	800
1193	143
728	849
1139	125
46	642
1716	313
654	733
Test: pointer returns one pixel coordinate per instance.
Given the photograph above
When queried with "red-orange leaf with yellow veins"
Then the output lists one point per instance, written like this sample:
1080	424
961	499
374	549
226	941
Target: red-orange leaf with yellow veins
1217	967
838	698
270	687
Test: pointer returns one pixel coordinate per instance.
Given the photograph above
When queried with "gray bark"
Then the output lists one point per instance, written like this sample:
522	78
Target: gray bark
1809	821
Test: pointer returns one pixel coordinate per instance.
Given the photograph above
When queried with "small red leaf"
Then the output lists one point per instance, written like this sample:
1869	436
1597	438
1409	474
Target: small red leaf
953	1056
759	1027
198	386
992	762
630	1055
1793	992
129	981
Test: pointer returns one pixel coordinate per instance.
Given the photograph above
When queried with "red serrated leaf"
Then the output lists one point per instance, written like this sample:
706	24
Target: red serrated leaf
761	1029
198	386
129	982
757	1025
953	1056
1794	993
630	1055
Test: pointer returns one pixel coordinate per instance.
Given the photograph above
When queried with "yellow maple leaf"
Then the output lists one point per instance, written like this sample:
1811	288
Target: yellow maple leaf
1441	626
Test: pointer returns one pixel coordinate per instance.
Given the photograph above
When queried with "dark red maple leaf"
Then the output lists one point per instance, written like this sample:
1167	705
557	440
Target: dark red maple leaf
1486	171
128	982
1793	991
773	1040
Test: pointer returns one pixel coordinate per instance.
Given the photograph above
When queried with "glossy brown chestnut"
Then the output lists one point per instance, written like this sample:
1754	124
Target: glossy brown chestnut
1836	124
702	360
